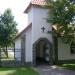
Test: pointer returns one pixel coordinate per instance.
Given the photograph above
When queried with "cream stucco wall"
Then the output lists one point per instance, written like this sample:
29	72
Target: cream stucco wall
18	48
64	51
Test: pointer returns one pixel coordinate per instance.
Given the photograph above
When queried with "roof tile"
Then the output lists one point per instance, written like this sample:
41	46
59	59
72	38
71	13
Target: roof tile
38	2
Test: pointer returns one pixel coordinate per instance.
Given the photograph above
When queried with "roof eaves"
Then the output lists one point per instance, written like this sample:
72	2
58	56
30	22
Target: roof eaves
18	35
28	7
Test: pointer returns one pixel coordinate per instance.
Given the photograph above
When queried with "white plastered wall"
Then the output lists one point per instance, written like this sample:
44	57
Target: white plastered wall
39	21
18	48
37	16
28	46
30	15
64	52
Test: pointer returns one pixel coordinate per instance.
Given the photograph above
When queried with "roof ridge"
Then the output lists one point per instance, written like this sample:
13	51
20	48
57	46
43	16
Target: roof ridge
38	2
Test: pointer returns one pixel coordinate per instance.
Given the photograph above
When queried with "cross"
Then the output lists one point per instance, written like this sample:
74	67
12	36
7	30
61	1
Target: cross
43	29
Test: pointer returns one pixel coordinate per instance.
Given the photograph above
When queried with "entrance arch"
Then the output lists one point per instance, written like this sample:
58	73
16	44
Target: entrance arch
42	52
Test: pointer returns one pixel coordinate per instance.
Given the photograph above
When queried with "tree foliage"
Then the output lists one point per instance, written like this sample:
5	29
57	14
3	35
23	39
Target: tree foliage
7	28
62	16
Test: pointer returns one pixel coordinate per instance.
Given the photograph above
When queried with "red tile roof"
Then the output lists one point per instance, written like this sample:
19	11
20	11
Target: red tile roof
36	3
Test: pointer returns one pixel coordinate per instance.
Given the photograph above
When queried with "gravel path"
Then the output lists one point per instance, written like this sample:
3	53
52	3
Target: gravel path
53	70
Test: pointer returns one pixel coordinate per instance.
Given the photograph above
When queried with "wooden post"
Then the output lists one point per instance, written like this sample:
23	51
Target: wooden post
14	50
0	57
56	49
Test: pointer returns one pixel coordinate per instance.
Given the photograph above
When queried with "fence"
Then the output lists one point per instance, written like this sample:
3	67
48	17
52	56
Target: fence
10	57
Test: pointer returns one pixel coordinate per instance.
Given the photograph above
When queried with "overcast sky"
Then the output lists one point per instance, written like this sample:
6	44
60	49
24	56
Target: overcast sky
17	7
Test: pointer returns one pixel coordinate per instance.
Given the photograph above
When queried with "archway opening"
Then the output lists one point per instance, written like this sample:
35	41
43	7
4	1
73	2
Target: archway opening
42	52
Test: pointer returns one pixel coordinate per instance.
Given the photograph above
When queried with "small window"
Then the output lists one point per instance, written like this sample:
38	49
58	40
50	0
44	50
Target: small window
72	48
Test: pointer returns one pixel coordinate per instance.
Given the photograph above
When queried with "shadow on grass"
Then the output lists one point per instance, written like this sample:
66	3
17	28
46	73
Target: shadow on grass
68	66
17	71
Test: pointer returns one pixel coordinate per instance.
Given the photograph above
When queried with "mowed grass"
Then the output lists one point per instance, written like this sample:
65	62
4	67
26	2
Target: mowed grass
17	71
68	66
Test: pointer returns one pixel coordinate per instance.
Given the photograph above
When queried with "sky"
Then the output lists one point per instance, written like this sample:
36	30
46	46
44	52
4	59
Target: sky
17	7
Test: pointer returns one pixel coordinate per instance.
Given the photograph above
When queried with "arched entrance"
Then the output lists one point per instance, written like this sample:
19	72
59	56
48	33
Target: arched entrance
42	52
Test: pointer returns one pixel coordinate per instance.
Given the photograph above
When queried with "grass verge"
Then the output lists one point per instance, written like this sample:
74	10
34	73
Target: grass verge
68	66
17	71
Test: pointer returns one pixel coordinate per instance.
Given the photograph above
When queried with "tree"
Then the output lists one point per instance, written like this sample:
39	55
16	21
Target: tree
62	16
8	29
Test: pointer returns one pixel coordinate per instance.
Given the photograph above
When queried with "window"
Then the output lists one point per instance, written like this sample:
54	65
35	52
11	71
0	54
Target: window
72	48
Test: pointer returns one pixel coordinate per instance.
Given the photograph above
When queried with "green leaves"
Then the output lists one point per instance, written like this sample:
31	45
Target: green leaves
7	28
62	16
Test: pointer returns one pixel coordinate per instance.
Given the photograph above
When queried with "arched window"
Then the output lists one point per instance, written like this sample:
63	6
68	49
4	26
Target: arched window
72	48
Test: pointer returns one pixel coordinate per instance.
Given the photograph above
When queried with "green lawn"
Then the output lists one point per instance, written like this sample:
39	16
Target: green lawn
68	66
17	71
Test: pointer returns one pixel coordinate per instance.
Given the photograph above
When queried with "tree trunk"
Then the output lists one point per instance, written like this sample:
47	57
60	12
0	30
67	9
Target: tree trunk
6	52
56	49
0	57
